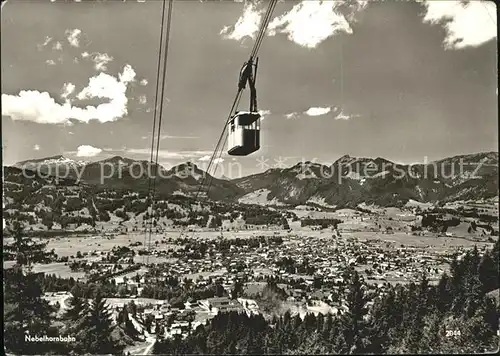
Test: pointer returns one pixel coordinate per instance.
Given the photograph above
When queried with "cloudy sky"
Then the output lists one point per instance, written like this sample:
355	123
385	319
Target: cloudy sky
404	81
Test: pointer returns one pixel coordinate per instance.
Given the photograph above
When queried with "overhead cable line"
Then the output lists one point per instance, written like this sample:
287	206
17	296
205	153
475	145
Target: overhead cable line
253	55
153	131
159	113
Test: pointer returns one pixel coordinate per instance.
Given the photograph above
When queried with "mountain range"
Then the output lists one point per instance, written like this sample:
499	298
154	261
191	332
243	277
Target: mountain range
349	181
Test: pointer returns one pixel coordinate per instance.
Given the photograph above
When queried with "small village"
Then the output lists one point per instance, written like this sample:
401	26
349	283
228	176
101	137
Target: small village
309	269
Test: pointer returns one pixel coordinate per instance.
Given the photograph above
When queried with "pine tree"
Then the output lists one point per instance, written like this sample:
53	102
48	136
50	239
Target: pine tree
25	250
354	324
75	313
488	271
381	324
443	296
96	328
25	312
429	342
237	289
327	325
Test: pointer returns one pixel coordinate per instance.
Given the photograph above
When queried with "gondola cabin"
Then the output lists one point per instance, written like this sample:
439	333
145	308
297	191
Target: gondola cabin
244	133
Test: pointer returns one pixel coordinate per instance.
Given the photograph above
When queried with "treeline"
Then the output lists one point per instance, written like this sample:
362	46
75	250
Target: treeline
437	224
324	223
53	283
455	316
255	215
177	295
466	213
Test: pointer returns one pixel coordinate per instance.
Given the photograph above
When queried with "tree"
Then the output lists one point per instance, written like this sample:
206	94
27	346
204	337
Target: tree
415	332
74	320
25	312
237	289
122	291
24	249
96	328
356	327
77	308
488	270
132	308
285	224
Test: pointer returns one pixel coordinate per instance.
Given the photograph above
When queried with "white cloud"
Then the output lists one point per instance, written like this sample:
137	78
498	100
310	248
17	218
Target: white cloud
57	46
337	113
100	60
128	74
142	99
308	23
73	37
208	157
50	62
68	89
470	24
317	111
36	147
247	24
342	116
87	151
45	43
40	107
311	22
143	82
292	115
162	137
181	155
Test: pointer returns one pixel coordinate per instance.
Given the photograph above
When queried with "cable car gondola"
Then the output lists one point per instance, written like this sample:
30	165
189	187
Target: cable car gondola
244	126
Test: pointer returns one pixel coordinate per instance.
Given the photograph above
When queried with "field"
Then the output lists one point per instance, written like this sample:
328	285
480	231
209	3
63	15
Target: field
355	224
59	269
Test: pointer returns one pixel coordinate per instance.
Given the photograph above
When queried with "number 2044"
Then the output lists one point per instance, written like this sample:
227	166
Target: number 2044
453	333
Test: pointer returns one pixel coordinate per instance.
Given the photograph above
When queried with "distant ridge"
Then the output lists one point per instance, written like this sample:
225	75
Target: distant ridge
348	181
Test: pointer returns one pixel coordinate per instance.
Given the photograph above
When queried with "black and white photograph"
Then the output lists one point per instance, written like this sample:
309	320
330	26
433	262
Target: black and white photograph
250	177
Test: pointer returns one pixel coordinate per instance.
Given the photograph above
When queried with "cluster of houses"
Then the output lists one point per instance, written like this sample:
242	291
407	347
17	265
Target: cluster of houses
167	321
328	258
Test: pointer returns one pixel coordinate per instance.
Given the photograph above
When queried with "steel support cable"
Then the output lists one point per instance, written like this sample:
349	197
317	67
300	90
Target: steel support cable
262	32
225	134
158	75
254	52
217	148
162	95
